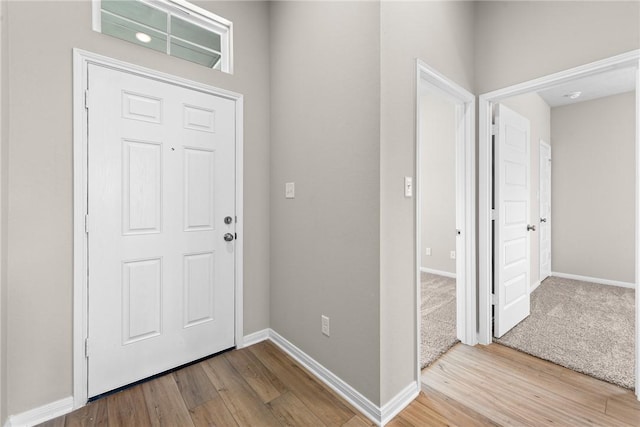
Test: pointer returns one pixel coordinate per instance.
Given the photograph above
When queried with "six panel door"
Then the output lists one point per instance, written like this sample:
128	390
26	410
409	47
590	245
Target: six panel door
161	181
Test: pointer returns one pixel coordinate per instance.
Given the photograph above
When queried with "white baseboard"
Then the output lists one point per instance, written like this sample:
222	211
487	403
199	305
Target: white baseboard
594	280
347	392
380	416
534	286
399	402
438	272
41	414
254	338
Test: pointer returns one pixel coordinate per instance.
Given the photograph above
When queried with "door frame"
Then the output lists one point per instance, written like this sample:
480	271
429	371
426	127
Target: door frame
427	77
81	61
485	245
542	143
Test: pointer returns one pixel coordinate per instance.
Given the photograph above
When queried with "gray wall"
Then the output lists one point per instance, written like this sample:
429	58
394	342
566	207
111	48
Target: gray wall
593	188
442	35
4	113
341	119
325	138
517	41
437	182
534	108
39	232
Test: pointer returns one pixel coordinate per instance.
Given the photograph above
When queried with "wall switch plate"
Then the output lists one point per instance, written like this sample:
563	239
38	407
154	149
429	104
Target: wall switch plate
325	325
453	254
408	186
427	252
290	190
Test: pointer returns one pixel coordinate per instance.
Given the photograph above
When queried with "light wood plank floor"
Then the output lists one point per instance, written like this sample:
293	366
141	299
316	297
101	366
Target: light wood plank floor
261	386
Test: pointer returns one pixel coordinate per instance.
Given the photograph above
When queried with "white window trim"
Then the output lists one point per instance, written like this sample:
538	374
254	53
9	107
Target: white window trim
191	13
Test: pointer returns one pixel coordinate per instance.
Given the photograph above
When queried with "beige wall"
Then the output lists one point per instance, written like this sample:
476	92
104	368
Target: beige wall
517	41
4	111
325	138
330	104
442	35
593	190
534	108
438	182
39	232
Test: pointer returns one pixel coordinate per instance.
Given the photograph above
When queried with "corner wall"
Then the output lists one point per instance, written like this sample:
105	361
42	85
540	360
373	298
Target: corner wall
440	33
40	182
325	100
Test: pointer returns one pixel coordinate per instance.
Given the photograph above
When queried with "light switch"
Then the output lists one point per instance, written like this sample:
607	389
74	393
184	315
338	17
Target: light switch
290	190
408	186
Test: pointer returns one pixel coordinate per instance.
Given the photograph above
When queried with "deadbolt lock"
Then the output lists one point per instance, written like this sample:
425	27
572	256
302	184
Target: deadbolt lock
228	220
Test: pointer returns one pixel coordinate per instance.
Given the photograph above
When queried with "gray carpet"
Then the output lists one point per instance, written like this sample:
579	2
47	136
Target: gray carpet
583	326
438	322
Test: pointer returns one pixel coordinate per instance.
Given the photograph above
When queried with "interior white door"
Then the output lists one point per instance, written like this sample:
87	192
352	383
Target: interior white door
544	232
511	240
161	182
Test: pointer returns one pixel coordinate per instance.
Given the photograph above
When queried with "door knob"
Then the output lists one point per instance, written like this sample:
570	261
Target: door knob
543	219
531	228
228	237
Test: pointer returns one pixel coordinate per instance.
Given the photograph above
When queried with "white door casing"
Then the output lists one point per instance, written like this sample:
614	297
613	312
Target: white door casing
431	79
544	232
511	248
161	173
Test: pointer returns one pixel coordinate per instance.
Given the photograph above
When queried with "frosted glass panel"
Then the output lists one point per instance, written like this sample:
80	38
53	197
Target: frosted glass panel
125	30
194	53
195	34
138	12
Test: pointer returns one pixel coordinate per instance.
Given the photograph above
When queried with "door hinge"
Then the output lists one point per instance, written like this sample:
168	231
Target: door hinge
493	299
494	129
493	215
86	224
86	348
86	99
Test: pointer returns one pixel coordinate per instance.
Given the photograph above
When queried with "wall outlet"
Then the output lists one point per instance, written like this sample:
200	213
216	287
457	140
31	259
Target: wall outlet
427	251
453	254
325	325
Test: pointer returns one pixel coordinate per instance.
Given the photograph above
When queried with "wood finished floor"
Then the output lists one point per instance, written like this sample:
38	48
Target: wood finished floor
468	386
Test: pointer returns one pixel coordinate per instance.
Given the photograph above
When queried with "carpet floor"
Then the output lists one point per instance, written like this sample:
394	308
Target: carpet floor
583	326
438	321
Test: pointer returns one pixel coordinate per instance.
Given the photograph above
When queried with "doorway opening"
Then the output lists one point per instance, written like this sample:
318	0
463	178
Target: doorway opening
445	213
493	290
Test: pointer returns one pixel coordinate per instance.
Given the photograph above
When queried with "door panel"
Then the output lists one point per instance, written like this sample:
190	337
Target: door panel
545	210
511	258
161	177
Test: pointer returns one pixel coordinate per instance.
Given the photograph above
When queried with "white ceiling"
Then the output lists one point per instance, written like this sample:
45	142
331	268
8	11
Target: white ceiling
597	86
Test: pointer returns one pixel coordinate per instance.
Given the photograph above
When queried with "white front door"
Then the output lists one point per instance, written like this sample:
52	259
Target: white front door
161	197
511	240
545	210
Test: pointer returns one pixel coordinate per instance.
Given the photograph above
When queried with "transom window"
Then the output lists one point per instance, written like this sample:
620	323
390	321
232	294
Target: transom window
175	27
